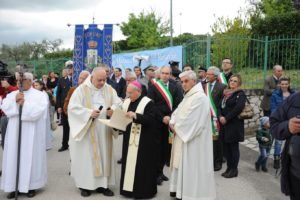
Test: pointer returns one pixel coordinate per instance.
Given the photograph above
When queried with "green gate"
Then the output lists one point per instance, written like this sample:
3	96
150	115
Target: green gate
253	57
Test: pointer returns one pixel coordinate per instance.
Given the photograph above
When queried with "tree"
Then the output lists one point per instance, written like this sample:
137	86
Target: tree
29	50
144	30
230	39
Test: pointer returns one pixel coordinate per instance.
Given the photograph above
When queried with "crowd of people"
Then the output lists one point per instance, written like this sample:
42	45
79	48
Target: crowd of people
188	121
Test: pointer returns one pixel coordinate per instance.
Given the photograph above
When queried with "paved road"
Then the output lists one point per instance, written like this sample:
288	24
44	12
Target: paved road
249	185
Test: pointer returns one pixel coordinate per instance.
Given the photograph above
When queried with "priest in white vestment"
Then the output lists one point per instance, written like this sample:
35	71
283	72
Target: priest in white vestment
192	172
33	165
91	150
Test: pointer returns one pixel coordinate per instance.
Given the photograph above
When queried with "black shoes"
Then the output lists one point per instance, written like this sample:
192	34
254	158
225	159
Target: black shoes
264	169
257	167
63	149
31	193
11	195
217	167
105	191
172	194
226	172
85	193
120	161
231	174
159	180
164	178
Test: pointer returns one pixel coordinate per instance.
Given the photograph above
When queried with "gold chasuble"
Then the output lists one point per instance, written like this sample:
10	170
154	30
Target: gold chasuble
133	145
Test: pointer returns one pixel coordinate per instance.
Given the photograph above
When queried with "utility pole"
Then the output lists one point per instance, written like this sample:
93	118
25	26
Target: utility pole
171	23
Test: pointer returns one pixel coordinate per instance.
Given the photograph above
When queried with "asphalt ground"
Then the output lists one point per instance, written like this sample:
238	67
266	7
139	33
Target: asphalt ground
249	185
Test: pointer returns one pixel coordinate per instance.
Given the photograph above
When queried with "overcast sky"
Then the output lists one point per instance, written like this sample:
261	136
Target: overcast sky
35	20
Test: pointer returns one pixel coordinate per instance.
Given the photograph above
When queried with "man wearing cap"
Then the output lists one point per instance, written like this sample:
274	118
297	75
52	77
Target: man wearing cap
63	86
166	96
202	75
149	74
174	65
138	175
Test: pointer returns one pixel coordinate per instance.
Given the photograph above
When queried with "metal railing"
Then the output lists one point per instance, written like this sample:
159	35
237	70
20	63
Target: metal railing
252	57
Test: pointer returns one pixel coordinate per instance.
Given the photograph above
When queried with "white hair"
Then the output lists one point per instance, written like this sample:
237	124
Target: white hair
28	76
277	67
168	67
215	69
131	75
85	72
191	74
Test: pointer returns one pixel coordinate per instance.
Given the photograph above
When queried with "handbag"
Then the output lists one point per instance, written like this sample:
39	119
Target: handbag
53	125
247	112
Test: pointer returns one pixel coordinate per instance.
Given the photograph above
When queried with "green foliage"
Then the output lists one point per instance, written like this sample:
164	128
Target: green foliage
282	24
28	50
276	7
144	30
229	40
68	53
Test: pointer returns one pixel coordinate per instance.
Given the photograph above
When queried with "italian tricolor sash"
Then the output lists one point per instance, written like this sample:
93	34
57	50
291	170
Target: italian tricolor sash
222	78
164	91
213	111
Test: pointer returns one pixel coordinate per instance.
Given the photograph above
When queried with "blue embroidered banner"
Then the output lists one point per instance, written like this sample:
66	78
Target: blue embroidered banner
91	47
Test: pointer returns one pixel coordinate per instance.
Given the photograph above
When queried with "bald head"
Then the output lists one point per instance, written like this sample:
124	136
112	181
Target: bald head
82	76
98	77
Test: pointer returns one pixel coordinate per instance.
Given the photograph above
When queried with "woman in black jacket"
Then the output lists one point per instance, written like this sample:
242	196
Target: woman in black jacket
232	128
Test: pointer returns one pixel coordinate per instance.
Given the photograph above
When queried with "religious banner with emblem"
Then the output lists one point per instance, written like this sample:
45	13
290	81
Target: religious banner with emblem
92	46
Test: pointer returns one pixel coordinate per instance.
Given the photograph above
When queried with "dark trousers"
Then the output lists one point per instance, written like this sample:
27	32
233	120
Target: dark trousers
267	113
218	152
164	149
66	130
4	122
294	184
232	154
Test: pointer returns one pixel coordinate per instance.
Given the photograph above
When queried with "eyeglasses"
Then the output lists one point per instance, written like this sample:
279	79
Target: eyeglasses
235	81
226	62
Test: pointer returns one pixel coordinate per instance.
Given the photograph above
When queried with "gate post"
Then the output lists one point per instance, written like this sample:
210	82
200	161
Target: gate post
266	57
208	44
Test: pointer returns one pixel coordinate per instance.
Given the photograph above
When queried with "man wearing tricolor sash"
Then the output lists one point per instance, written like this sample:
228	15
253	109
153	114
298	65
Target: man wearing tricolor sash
226	68
92	163
214	91
192	175
166	95
139	153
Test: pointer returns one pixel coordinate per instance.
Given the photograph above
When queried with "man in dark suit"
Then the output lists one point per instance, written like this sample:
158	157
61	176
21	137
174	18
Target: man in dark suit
163	109
63	86
271	83
119	83
216	89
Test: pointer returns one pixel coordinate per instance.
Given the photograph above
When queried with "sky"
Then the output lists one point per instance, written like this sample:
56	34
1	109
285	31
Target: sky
35	20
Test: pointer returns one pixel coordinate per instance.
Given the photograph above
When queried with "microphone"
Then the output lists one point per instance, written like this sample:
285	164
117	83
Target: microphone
107	117
100	108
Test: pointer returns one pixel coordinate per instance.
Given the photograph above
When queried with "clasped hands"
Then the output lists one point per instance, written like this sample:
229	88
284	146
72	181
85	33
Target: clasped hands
20	98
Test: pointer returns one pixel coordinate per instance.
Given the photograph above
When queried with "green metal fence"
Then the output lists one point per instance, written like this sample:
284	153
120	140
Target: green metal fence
41	66
253	57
